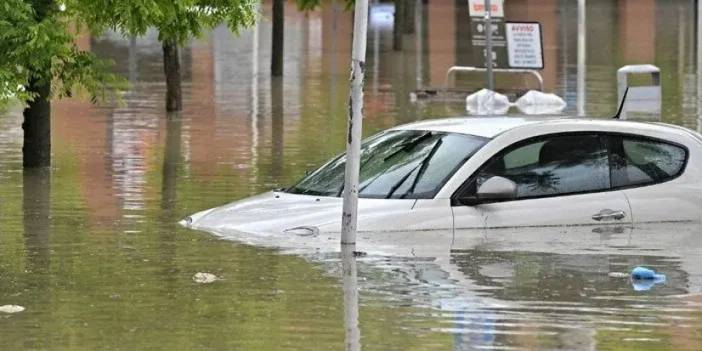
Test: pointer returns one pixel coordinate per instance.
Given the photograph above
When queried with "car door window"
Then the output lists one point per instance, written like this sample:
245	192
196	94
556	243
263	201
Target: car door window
555	165
639	161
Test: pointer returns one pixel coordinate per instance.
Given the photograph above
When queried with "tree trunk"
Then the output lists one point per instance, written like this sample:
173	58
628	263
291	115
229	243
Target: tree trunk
278	37
410	9
398	28
171	67
36	150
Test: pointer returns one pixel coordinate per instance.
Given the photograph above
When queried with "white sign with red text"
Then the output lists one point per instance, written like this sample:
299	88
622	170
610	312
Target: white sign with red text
524	49
477	8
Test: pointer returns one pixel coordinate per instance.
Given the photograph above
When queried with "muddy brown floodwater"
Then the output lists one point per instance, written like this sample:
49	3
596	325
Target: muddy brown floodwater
93	251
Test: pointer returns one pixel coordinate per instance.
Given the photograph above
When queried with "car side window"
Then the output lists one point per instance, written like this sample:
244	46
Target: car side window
637	161
554	165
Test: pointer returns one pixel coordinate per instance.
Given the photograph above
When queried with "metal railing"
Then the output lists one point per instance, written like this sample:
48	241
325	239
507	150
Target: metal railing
468	69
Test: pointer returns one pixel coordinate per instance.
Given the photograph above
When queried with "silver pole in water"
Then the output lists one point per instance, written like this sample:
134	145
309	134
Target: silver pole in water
488	44
419	36
353	139
581	58
699	66
376	54
254	103
349	272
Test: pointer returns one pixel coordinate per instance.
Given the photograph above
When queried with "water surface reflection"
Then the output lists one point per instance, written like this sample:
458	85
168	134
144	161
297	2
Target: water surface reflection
92	248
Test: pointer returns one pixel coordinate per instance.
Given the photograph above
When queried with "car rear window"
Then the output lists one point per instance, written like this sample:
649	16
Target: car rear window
637	161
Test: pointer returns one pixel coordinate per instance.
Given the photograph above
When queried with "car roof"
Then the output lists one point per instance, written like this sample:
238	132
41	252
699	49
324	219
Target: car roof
487	127
490	127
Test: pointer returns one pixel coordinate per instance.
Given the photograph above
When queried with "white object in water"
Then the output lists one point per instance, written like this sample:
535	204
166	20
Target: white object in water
205	278
11	308
487	102
538	103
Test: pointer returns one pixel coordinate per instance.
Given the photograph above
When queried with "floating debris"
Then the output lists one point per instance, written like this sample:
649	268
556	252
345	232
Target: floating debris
539	103
644	273
487	102
643	279
303	231
618	275
205	278
11	308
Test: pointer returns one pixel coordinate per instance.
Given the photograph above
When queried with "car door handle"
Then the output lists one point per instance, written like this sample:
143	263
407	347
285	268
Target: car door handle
609	215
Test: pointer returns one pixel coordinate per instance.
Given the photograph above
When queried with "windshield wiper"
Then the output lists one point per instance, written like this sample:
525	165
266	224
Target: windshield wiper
422	164
422	168
409	145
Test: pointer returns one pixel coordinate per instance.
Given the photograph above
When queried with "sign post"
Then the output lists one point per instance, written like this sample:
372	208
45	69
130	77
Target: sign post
353	139
488	45
487	35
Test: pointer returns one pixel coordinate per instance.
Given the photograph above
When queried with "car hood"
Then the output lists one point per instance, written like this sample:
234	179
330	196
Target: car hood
305	224
276	212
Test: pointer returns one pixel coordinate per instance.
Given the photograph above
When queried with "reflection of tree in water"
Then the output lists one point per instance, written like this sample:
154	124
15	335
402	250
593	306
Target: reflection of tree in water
547	178
543	182
277	130
171	160
661	161
36	208
168	221
537	276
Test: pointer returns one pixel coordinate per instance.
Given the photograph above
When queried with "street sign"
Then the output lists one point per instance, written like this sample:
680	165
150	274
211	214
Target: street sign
478	29
524	45
477	8
478	33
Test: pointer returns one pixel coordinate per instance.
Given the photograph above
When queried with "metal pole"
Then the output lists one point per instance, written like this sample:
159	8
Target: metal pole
418	34
254	104
699	66
376	54
488	44
350	279
353	139
581	58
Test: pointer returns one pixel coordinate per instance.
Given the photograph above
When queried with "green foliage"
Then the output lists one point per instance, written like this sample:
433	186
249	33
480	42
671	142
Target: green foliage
176	20
40	47
308	5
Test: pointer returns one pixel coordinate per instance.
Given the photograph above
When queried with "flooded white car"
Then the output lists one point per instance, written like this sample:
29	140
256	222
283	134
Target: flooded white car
449	175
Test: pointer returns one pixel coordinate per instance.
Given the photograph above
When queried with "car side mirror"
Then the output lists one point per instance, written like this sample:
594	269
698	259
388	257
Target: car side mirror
497	188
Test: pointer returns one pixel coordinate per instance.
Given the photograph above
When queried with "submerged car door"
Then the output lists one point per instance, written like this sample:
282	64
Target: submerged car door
561	180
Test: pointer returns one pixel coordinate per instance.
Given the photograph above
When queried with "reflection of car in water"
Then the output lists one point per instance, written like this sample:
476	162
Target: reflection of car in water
539	276
455	174
571	301
541	288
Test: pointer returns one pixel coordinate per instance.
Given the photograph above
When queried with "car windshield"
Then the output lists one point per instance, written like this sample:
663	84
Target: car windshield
400	164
